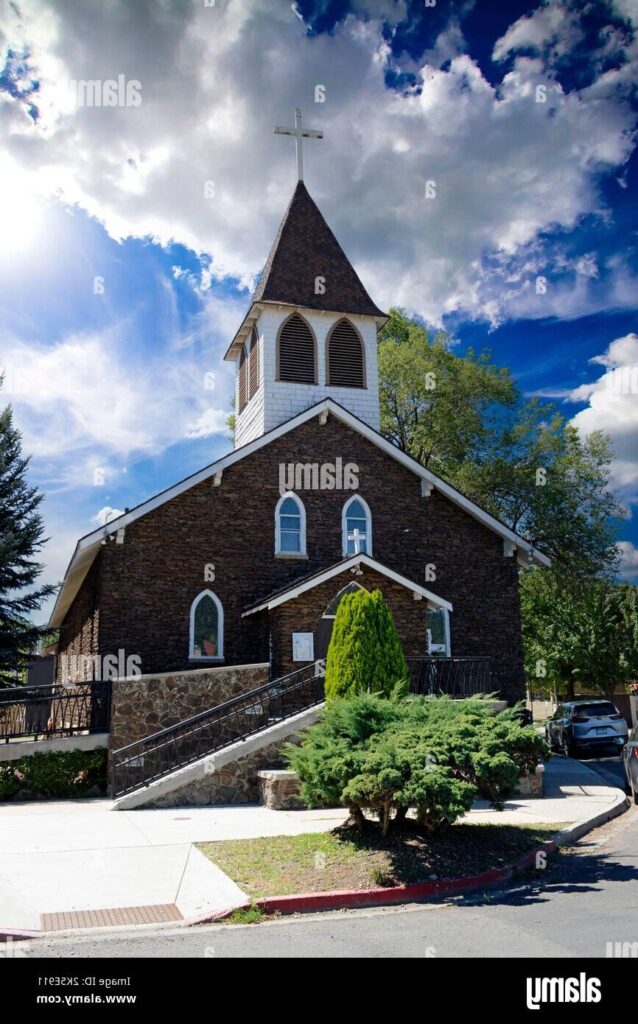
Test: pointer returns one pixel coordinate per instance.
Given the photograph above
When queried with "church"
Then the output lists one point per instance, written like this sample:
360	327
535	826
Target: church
245	561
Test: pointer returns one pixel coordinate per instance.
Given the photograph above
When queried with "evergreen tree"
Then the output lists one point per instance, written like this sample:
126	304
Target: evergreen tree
365	654
21	530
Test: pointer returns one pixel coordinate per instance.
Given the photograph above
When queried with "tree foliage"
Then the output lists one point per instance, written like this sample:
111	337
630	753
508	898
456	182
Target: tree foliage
365	651
21	538
435	755
463	417
578	632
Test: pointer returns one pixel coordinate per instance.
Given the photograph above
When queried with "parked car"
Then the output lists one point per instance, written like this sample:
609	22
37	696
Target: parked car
629	758
585	724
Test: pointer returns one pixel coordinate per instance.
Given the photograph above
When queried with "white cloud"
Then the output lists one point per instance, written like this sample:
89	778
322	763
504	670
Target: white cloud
628	560
211	421
553	26
216	80
88	405
106	514
612	406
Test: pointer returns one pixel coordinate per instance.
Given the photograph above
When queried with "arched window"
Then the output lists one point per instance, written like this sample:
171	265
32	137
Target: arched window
356	527
242	396
296	352
290	526
253	364
207	627
345	359
331	610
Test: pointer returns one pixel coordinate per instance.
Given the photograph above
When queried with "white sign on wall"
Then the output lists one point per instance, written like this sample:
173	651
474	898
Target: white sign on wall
303	647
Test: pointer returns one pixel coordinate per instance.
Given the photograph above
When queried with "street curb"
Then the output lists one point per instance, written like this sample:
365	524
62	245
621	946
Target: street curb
312	901
570	835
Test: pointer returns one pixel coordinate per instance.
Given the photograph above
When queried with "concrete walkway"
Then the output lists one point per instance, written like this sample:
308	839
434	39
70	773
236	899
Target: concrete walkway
77	856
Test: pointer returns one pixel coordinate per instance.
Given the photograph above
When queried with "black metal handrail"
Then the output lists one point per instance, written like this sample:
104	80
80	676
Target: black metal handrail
40	712
456	677
152	757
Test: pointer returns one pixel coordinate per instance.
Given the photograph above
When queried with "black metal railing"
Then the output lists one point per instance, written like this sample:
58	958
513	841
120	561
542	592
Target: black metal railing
152	757
38	712
456	677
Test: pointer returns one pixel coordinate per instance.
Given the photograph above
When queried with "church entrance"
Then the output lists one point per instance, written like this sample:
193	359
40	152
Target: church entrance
326	622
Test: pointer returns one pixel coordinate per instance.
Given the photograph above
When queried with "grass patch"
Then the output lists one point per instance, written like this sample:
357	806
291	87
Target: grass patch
244	915
346	859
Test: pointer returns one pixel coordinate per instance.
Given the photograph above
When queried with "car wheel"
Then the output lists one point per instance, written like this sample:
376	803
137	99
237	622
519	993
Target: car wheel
568	748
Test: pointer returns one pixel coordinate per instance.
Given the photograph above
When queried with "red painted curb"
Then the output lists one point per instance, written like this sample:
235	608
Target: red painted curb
305	902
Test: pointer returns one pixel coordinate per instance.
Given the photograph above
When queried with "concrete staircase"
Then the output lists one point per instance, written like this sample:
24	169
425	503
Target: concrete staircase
214	757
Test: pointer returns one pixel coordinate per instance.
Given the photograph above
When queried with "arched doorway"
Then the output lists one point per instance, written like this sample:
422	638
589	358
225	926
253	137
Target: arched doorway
326	622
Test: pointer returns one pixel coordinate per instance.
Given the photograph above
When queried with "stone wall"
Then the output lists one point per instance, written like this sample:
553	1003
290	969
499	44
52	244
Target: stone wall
145	705
235	783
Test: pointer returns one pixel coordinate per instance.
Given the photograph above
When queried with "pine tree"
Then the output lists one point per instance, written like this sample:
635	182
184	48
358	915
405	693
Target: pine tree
21	530
365	654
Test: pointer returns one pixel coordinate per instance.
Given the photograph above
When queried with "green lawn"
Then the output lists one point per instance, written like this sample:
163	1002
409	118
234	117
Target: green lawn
345	859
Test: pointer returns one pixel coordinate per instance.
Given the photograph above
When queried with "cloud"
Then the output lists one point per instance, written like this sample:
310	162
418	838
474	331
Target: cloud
628	560
106	514
612	406
553	28
88	404
197	162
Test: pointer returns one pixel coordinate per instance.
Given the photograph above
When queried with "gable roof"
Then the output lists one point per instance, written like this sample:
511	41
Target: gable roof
88	546
294	590
304	249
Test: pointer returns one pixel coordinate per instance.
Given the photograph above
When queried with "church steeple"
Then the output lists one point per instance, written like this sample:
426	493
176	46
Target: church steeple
306	265
310	332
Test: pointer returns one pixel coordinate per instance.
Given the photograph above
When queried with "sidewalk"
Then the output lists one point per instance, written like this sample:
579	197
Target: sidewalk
64	858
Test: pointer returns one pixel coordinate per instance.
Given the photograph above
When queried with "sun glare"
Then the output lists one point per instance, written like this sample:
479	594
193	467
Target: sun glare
21	213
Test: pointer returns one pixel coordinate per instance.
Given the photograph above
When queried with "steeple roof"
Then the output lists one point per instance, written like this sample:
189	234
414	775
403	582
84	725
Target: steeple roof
306	249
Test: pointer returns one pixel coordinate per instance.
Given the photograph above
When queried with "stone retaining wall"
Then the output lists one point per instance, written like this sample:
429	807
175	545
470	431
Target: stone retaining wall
235	783
147	704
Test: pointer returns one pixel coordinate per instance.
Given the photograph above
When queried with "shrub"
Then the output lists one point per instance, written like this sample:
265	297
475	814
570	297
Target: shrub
57	775
435	755
365	652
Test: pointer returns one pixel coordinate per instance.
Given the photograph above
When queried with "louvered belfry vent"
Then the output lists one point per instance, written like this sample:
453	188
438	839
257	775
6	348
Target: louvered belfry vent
296	352
346	367
243	367
253	364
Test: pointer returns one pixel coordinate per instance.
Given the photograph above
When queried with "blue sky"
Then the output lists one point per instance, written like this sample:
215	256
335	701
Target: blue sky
133	233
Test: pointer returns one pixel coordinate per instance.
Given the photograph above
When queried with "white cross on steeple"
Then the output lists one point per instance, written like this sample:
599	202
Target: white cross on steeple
299	134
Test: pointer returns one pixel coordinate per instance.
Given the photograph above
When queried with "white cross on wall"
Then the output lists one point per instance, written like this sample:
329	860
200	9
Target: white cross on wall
299	134
357	537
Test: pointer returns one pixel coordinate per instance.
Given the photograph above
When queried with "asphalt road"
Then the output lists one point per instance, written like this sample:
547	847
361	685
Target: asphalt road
585	899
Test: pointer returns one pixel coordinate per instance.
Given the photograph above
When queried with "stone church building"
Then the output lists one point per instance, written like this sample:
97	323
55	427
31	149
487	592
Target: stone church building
244	562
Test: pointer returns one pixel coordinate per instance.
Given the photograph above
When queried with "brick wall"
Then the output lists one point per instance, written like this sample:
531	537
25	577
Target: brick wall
147	584
80	633
303	613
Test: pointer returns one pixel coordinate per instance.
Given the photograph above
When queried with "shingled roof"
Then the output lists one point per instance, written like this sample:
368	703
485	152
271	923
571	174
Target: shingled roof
305	249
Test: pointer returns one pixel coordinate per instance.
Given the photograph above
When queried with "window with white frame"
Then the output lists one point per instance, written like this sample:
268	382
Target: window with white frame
438	631
207	627
290	526
356	528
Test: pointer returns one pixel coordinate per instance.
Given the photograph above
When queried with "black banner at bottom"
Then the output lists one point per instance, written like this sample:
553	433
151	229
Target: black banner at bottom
515	986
